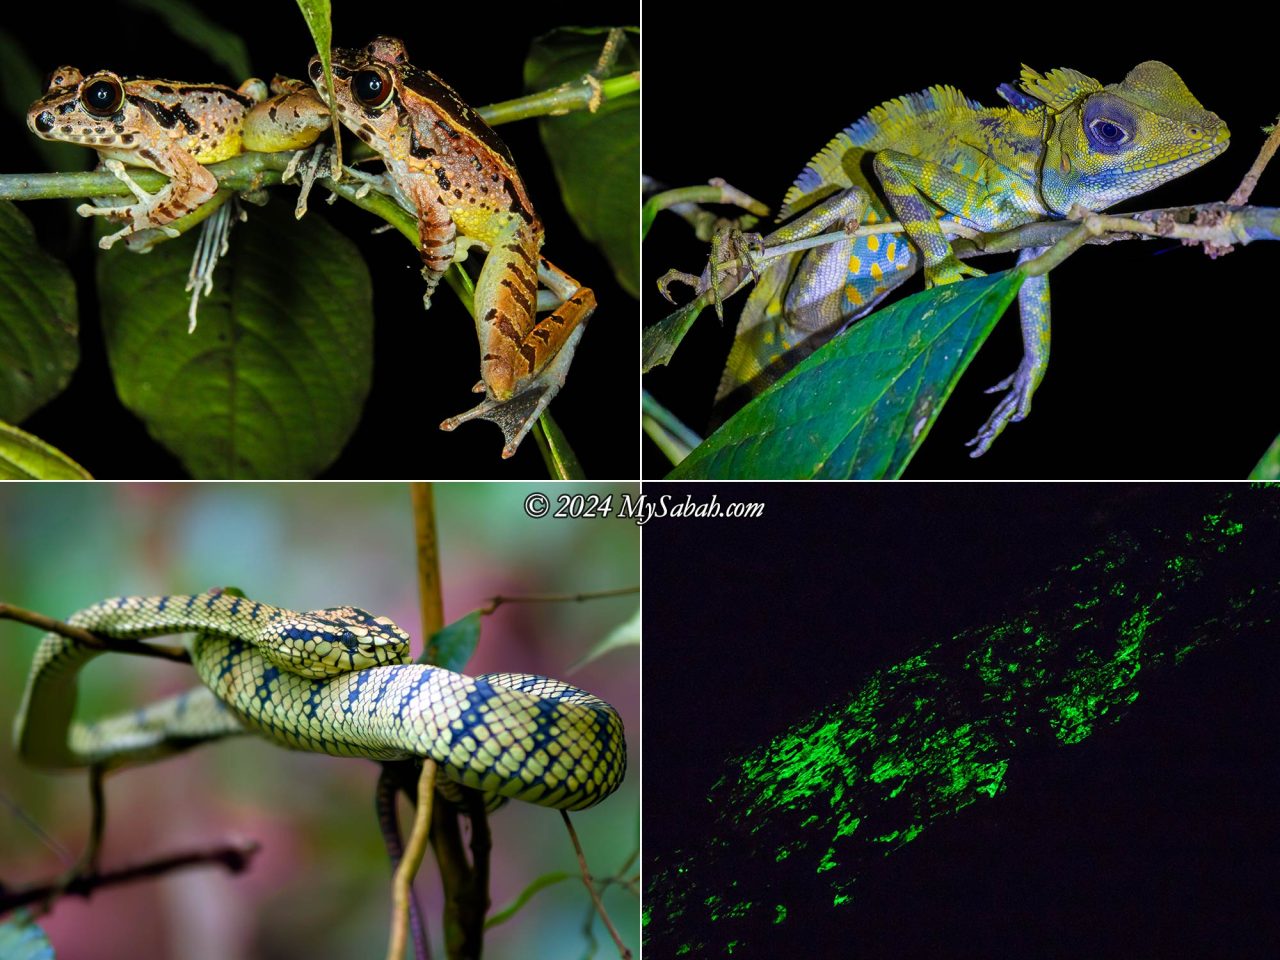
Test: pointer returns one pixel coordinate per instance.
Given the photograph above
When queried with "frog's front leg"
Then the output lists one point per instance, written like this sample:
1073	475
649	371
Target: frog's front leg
189	186
437	234
1033	304
524	361
908	181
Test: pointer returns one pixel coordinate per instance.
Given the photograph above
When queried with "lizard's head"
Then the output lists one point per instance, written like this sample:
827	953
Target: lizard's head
1110	143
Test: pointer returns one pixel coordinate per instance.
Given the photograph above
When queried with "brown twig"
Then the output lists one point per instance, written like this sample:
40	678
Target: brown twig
402	885
235	857
1250	181
623	952
495	602
424	526
137	647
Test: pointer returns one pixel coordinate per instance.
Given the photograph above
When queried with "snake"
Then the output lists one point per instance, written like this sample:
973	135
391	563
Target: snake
337	681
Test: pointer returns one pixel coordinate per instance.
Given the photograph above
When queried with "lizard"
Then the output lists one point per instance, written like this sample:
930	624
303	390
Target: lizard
938	159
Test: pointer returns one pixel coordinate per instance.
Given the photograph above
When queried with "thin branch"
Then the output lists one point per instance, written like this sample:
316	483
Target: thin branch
623	952
236	857
1242	193
106	644
495	602
430	601
402	885
574	95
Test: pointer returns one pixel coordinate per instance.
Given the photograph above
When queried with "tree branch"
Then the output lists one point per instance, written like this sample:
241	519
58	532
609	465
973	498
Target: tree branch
106	644
402	884
236	857
623	952
495	602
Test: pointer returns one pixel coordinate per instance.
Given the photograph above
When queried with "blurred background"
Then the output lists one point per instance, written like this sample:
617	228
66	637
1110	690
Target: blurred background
320	885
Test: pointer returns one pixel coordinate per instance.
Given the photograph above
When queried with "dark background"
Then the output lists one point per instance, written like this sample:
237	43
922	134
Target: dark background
1160	362
1154	837
425	362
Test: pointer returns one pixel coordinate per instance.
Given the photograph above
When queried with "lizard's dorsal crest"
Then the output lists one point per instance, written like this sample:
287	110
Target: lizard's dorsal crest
1057	89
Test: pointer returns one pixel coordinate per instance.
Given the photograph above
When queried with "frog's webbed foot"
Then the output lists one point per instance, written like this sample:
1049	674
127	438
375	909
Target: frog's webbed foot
307	166
138	214
1015	405
517	415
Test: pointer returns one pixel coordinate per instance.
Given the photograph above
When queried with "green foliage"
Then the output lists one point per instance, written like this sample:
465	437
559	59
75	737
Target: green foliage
319	22
452	645
562	463
625	634
660	340
24	457
222	46
273	380
860	406
22	939
38	325
1268	468
596	156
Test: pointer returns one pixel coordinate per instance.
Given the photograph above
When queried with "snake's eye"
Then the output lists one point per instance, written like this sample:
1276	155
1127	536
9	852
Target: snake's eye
103	96
372	88
1108	132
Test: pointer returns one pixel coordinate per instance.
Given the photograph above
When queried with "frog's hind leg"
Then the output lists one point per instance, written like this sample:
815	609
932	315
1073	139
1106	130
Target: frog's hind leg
189	186
524	361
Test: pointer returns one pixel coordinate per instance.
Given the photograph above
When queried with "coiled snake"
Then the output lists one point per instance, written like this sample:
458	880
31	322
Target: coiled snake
331	681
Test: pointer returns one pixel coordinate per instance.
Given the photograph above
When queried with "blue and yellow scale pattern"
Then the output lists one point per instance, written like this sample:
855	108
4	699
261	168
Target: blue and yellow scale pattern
936	159
331	681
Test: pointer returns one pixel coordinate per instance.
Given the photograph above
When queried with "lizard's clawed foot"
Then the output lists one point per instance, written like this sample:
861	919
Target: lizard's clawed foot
733	256
675	276
950	270
1013	406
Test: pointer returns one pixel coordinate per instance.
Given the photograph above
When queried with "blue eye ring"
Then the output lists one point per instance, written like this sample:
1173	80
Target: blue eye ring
1108	132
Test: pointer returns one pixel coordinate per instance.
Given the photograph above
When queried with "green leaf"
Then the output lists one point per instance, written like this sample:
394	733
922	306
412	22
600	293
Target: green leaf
625	634
860	406
658	341
273	381
666	430
24	457
187	21
1268	467
38	325
562	463
452	645
596	156
544	881
319	22
20	84
22	939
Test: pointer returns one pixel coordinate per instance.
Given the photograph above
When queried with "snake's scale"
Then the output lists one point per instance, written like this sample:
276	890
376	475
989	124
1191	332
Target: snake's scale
512	735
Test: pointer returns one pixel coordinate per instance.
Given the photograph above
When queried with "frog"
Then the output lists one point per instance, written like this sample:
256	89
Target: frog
175	128
448	168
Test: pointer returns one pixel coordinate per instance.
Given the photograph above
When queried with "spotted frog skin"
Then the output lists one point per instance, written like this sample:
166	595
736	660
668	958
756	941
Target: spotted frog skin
174	128
449	168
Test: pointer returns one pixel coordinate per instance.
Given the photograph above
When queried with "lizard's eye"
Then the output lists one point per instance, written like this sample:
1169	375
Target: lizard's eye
372	88
1107	132
102	97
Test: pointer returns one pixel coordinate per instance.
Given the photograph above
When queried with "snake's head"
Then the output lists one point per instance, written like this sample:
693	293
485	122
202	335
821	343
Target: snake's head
336	640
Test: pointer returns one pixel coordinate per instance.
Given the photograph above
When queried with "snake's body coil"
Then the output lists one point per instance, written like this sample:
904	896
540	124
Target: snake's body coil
300	681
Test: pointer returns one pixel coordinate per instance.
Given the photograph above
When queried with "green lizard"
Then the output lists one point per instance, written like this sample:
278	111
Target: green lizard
939	159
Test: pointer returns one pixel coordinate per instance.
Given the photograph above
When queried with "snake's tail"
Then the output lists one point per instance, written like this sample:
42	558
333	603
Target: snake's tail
389	784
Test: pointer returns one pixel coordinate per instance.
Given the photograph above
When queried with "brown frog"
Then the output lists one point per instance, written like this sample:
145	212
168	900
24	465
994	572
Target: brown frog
450	169
172	127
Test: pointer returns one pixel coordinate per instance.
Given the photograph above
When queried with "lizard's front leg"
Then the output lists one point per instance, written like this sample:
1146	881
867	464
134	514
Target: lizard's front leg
1033	305
523	361
907	182
189	186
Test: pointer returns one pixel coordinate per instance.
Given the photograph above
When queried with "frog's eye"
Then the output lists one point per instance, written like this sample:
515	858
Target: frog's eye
372	88
1108	132
102	97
